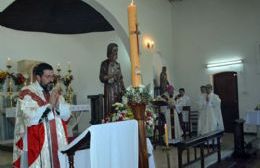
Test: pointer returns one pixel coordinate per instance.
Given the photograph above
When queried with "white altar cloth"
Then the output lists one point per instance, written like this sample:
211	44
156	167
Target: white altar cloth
113	145
82	158
253	118
10	112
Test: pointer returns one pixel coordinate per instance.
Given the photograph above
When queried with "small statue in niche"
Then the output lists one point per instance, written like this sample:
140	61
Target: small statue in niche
163	81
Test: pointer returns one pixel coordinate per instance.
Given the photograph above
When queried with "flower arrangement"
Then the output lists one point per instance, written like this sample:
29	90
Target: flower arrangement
149	121
18	78
123	112
3	76
138	95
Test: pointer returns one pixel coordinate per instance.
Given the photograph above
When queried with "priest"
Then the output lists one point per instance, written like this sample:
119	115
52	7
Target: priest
210	116
41	117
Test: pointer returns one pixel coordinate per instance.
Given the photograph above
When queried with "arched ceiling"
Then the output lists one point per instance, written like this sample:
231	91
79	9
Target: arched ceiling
54	16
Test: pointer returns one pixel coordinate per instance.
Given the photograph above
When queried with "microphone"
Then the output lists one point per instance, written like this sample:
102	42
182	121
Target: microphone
44	115
57	111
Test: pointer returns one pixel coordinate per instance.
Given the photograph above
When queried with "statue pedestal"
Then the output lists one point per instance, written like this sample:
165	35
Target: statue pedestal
139	114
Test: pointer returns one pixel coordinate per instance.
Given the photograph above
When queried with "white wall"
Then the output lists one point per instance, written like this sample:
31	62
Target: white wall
187	35
154	20
211	30
86	51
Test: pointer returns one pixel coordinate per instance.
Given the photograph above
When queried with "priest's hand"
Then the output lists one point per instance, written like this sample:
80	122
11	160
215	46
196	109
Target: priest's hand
54	98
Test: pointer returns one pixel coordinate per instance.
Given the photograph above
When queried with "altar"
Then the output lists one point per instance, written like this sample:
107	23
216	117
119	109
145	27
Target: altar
7	120
111	145
253	118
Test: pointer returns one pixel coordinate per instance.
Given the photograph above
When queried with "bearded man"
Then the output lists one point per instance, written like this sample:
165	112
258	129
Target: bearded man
41	117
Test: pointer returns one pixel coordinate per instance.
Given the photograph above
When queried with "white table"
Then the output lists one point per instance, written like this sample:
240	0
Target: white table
10	112
112	145
253	118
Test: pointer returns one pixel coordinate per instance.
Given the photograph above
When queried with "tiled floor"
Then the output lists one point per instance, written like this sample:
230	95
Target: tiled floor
5	159
161	156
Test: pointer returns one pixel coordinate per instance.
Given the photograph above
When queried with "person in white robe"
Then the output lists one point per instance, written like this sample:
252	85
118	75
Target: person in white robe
205	118
177	127
210	117
182	100
41	117
215	103
167	112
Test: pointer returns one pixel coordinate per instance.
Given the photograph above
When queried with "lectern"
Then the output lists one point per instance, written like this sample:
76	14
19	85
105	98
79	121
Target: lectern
97	108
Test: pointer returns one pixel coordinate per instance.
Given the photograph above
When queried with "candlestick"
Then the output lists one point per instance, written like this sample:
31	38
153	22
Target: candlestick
133	38
166	135
58	67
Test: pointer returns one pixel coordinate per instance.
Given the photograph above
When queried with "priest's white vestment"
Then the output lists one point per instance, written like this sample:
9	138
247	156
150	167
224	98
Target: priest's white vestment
210	117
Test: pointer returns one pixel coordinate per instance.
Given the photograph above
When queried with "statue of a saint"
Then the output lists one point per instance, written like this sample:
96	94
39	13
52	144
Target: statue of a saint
163	80
111	76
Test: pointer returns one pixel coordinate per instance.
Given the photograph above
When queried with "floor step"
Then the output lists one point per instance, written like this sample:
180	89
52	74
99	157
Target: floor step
6	145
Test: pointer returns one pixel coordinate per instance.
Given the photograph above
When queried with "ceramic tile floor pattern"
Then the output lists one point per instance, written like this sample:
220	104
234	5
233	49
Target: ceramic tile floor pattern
160	156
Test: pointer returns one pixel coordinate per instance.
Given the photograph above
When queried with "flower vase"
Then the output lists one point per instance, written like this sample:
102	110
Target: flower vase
138	110
139	115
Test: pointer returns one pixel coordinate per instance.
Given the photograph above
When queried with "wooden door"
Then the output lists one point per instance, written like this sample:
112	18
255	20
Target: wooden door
225	85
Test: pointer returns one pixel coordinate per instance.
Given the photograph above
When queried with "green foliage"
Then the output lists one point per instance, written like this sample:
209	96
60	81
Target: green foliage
140	94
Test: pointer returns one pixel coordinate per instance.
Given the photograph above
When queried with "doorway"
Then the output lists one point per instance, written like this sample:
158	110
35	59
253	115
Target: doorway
225	85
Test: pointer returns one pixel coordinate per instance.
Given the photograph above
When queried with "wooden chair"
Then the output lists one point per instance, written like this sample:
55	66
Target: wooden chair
194	116
186	124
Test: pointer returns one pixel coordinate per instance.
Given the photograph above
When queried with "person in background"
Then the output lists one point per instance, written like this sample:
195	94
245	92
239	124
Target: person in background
210	117
40	129
214	104
202	112
182	100
178	133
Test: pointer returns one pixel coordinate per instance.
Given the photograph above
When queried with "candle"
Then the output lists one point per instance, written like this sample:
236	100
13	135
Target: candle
8	61
133	39
58	66
166	135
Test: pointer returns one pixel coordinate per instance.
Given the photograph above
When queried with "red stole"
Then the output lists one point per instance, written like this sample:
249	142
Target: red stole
36	133
54	139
